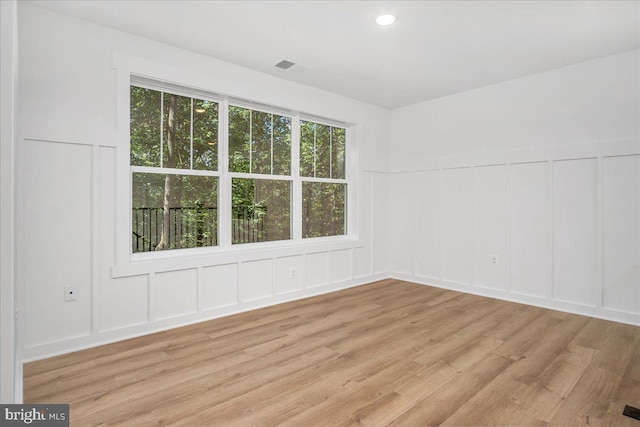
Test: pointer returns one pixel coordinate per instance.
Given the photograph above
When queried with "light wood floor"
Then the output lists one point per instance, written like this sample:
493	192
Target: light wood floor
387	353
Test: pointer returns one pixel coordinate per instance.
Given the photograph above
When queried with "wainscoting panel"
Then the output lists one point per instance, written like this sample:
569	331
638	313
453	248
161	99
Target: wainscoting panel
621	222
380	220
54	233
256	279
289	274
563	227
175	293
457	225
317	271
402	216
491	227
427	233
341	264
575	230
218	286
530	229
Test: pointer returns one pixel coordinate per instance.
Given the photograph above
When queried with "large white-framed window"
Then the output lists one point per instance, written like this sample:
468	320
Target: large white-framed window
323	178
174	158
244	183
259	163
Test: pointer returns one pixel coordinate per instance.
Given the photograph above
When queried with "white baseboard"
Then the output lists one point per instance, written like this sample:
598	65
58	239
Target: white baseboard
83	342
566	306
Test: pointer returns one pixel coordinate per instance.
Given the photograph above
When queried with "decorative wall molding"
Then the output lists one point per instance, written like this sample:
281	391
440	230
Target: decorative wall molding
563	222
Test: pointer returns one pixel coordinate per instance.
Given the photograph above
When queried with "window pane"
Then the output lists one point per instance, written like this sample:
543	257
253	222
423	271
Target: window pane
177	132
338	137
281	145
270	149
260	142
323	209
261	210
205	135
238	139
145	127
323	155
307	153
190	219
322	150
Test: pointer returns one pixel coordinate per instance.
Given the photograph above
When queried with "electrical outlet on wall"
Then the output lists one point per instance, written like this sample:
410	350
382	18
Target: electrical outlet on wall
292	273
494	260
70	293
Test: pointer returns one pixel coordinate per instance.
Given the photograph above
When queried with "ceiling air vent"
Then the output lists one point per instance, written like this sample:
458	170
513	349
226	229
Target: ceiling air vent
285	65
292	66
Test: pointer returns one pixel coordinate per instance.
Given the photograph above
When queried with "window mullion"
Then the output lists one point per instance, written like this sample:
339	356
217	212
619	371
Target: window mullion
161	129
296	191
191	137
250	141
224	194
330	152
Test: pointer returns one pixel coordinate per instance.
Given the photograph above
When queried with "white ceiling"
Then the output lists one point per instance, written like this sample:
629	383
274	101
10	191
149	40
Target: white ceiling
435	49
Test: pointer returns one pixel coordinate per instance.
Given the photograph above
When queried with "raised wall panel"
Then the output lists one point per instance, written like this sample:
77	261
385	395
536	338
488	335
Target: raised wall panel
529	217
124	302
427	232
121	302
361	262
401	222
491	207
256	280
365	206
54	240
175	293
380	222
621	223
341	265
284	282
456	225
317	269
219	286
575	230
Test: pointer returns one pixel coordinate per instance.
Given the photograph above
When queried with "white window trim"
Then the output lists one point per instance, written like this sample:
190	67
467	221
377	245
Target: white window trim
128	264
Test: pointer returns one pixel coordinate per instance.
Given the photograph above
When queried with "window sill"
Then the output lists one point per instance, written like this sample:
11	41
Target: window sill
184	259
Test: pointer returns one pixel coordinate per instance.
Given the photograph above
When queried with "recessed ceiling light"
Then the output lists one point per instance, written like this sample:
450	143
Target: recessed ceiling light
199	110
385	19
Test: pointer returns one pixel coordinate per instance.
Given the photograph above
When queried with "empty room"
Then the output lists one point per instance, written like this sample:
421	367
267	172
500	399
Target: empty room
320	213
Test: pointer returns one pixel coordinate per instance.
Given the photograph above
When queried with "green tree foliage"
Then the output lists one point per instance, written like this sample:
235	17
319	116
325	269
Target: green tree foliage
173	211
260	143
192	221
322	155
180	211
307	148
261	210
145	127
239	134
205	135
323	209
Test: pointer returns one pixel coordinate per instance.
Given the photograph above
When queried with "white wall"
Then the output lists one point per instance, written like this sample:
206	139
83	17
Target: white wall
10	389
542	172
67	183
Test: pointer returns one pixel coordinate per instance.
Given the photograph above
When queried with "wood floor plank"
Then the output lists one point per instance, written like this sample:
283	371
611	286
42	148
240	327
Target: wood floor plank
443	402
387	353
